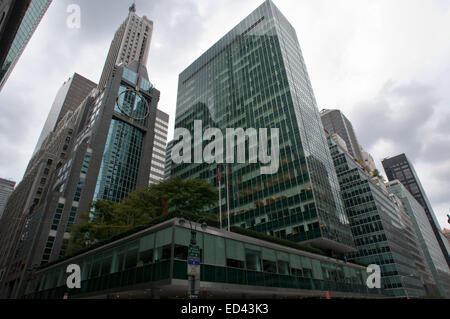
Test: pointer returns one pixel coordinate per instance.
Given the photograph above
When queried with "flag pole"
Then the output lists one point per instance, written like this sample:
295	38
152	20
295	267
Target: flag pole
219	177
228	199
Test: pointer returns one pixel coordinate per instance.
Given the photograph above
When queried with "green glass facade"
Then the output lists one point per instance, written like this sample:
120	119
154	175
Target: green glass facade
120	163
132	104
380	234
159	255
255	77
432	252
123	149
110	156
33	16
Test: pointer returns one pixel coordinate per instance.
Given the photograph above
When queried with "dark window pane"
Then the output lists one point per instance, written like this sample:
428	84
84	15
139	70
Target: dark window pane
166	252
120	265
181	252
269	266
296	272
146	256
95	272
131	259
253	260
283	267
106	266
307	273
235	263
163	253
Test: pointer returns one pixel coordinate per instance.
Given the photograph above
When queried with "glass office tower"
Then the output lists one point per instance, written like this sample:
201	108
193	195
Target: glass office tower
255	77
6	188
400	168
334	121
382	230
68	98
427	239
33	15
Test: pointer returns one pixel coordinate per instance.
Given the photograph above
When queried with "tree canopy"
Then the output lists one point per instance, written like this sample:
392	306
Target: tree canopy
376	173
107	219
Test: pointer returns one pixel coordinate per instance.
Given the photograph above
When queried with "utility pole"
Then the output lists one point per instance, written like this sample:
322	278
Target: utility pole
219	178
228	199
193	270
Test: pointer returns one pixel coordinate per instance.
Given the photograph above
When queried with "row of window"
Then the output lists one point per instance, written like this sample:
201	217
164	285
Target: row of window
154	169
214	250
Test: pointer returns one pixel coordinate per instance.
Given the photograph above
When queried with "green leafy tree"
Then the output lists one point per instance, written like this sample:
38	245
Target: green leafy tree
106	219
186	196
139	208
376	173
101	223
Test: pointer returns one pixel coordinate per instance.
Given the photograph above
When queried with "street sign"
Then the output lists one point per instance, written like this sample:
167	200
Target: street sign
193	266
193	261
193	271
194	251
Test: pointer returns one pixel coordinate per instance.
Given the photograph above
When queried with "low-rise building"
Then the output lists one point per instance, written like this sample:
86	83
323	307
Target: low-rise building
152	263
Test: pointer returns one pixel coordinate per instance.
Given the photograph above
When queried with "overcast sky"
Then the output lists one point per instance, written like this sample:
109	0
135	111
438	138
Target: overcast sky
384	63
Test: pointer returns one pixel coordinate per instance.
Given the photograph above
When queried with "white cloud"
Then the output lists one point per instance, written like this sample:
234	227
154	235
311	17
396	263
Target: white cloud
435	180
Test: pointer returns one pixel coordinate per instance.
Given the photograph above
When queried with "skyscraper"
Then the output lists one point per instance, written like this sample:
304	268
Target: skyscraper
255	77
159	148
101	150
382	230
131	43
23	213
446	233
69	97
427	240
6	10
108	156
339	140
168	163
400	168
18	21
6	188
111	156
368	161
334	121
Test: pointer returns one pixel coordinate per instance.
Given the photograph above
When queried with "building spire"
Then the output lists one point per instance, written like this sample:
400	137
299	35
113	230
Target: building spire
133	7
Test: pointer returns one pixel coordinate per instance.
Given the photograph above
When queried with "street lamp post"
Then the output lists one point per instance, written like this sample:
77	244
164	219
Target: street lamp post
193	270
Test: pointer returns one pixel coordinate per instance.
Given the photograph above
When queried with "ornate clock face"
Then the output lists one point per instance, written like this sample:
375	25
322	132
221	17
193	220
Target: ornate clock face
132	104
